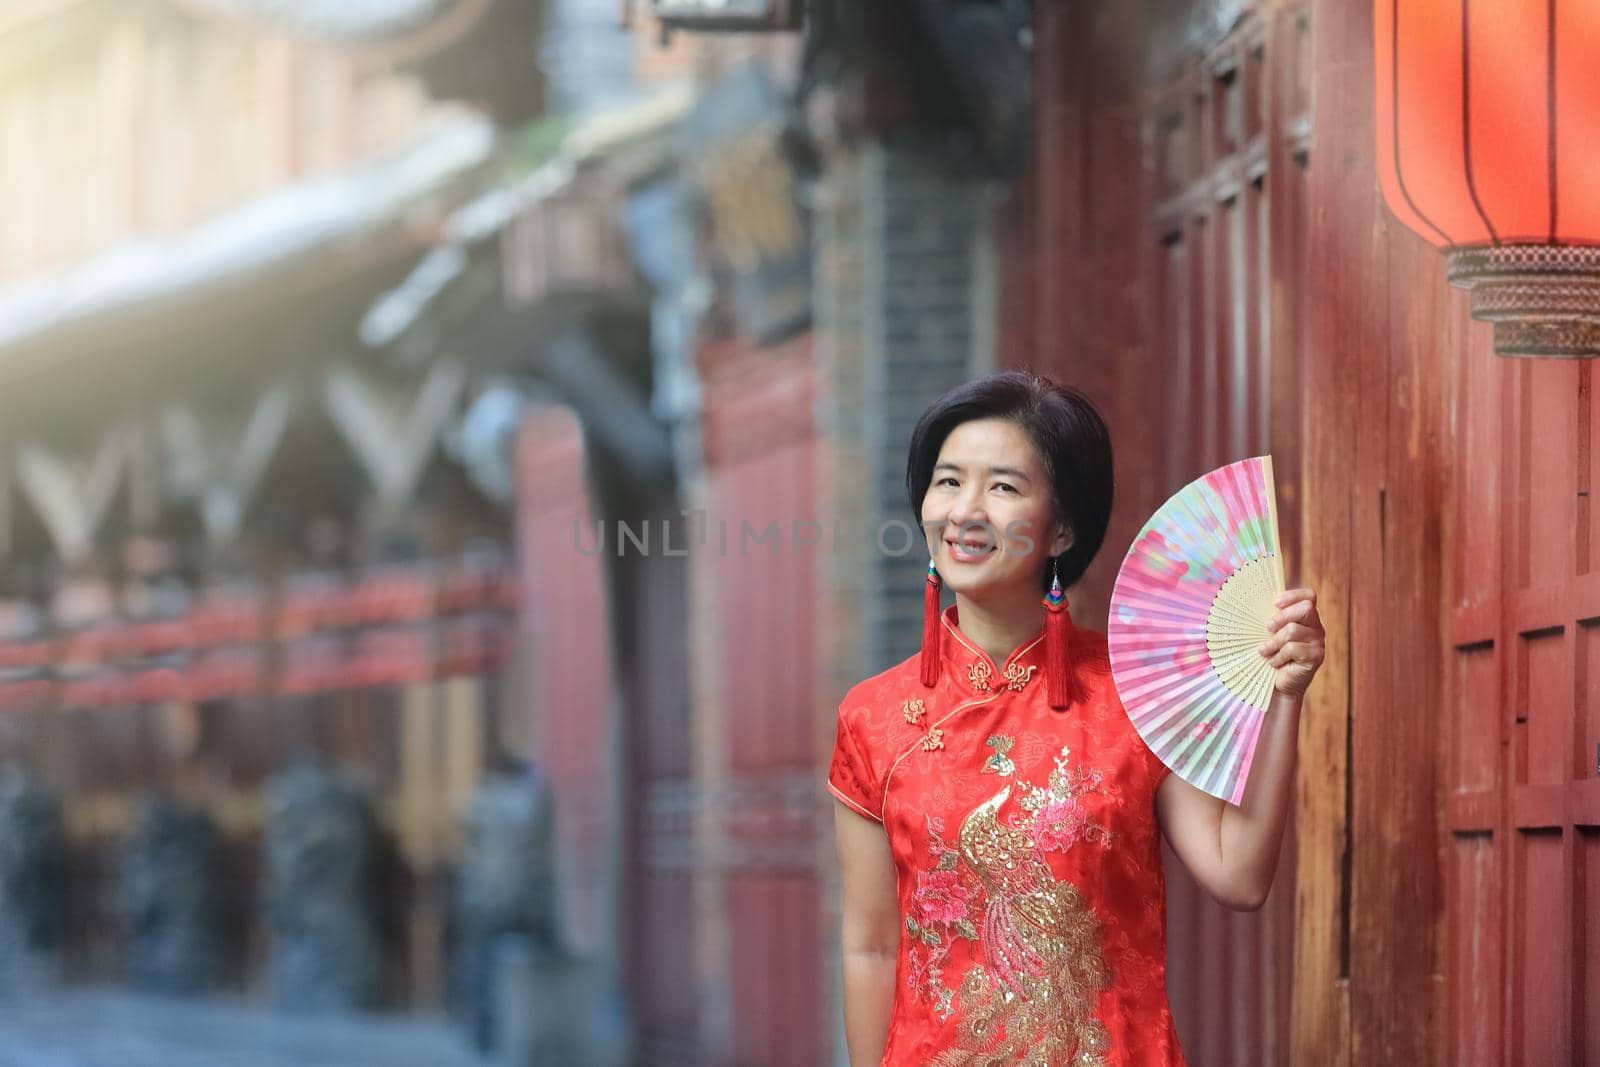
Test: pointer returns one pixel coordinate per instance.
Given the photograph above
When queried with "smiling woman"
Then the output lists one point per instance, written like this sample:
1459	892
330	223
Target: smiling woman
997	817
1011	479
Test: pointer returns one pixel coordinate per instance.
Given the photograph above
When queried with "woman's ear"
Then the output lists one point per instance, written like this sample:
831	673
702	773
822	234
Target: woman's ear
1060	538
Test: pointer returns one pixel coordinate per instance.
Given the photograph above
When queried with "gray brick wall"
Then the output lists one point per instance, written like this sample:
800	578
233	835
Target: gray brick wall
922	227
904	292
904	306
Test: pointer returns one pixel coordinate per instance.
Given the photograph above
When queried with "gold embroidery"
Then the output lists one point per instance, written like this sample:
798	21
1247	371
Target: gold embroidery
1017	675
979	674
935	739
1000	763
912	709
1030	992
1058	821
1032	999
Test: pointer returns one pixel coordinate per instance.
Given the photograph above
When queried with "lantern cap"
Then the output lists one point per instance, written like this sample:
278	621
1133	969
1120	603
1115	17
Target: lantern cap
1544	300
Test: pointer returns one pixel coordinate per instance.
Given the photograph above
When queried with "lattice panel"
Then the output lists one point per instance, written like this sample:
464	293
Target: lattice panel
1523	730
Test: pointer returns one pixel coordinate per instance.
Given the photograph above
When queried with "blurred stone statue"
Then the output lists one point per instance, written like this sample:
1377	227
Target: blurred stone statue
170	898
526	999
33	881
322	916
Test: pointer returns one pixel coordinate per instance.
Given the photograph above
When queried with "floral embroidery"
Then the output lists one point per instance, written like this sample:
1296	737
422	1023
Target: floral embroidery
979	674
912	710
934	739
940	914
1059	820
1031	992
940	896
1000	763
1017	675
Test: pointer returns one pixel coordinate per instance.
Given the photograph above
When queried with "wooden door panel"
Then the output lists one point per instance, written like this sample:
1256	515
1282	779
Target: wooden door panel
1540	1016
1475	960
1548	509
1542	412
1586	945
759	813
1477	715
1587	686
1542	735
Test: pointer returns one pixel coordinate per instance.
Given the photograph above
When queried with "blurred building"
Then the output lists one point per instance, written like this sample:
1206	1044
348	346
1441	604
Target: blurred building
235	533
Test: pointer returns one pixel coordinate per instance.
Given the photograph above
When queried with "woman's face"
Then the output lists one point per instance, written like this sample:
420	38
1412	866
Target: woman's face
988	513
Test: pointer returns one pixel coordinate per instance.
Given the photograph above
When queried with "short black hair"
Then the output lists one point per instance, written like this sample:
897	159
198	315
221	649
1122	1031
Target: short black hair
1065	427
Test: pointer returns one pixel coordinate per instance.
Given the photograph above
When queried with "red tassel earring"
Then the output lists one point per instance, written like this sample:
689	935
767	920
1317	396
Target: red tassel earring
1057	634
930	628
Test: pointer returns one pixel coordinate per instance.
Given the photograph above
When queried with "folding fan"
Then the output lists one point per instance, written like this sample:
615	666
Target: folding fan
1190	606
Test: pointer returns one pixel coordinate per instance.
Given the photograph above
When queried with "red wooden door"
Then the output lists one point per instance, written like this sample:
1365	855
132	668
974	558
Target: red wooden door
1228	139
571	695
757	806
1522	726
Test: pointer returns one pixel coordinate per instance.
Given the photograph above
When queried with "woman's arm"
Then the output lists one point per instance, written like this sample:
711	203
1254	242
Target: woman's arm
1233	851
870	933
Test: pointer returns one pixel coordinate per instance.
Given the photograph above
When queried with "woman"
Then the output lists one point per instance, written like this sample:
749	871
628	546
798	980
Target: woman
996	811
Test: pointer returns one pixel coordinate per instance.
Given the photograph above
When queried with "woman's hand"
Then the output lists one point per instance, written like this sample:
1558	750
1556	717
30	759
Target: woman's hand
1297	641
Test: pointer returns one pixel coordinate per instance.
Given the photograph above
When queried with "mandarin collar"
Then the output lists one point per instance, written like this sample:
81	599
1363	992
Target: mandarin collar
973	672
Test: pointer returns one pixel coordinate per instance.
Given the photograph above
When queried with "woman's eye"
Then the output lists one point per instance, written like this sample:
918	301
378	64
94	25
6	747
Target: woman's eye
1005	485
947	481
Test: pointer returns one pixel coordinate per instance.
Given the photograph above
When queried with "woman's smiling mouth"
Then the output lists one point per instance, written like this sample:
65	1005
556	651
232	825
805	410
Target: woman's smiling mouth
969	553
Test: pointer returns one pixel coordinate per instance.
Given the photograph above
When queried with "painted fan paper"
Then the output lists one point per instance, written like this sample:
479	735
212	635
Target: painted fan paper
1190	606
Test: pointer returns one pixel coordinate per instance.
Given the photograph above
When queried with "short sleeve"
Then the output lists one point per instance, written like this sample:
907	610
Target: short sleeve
851	777
1158	770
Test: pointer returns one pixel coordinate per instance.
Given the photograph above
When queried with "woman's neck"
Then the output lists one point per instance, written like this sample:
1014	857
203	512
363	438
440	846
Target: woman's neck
1000	626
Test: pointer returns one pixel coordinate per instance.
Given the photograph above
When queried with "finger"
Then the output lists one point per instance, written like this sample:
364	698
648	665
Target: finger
1294	631
1288	654
1289	596
1274	643
1307	653
1291	633
1300	611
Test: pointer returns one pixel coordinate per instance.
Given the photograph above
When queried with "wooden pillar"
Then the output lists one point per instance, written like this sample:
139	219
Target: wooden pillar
1376	429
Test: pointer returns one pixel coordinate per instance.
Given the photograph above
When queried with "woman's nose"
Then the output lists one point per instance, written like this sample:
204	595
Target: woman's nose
967	509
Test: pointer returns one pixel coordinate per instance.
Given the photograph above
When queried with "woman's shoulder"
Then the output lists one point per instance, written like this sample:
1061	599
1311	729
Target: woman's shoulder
874	715
876	695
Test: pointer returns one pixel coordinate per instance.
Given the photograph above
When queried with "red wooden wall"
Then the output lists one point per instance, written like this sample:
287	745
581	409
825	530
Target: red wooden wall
758	812
1374	476
1521	794
1227	147
571	689
1159	264
1454	515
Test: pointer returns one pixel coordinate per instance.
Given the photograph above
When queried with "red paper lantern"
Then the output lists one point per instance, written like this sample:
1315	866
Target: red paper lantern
1488	112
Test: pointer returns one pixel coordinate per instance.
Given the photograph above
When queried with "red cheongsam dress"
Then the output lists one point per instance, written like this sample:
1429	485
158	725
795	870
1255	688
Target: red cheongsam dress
1027	855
